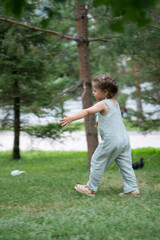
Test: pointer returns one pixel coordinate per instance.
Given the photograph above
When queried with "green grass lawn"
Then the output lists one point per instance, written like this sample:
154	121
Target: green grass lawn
42	204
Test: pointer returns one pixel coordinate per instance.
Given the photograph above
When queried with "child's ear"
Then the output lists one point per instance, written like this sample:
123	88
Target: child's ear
106	92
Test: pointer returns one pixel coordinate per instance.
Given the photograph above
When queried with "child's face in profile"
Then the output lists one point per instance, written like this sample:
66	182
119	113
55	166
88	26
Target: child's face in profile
98	93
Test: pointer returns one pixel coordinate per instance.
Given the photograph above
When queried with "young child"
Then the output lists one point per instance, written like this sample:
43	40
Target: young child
115	144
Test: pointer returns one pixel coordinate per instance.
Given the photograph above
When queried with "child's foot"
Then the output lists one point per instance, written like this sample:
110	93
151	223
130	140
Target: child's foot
133	193
84	189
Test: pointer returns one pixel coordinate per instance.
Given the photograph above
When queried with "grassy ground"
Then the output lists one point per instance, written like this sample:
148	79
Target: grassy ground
42	204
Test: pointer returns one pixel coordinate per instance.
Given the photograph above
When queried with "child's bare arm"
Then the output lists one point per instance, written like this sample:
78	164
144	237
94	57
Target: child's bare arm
98	107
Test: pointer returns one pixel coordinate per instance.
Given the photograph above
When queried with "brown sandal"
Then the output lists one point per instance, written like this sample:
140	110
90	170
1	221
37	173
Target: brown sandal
84	189
133	193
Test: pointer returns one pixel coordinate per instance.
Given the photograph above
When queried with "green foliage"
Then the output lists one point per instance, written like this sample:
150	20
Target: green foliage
104	57
28	70
122	98
128	10
51	130
139	49
36	63
43	204
25	60
15	6
144	55
145	123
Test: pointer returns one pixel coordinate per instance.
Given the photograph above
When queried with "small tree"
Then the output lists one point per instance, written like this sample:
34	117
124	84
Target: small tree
24	86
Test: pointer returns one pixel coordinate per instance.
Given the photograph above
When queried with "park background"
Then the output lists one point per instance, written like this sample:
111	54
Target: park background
48	52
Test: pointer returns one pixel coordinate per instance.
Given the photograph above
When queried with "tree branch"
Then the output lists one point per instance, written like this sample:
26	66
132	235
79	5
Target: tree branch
71	89
68	90
104	39
154	64
39	29
107	17
77	39
61	52
102	15
154	26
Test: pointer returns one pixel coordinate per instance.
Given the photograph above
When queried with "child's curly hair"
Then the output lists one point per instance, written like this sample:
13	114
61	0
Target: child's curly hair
106	82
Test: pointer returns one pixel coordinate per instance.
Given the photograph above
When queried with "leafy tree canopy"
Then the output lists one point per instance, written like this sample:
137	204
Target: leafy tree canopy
135	11
128	10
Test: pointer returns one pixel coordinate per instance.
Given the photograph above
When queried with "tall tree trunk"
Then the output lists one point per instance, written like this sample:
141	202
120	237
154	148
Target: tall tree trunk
84	74
16	150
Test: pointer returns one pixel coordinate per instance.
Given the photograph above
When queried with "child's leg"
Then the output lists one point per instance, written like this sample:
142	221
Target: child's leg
124	162
104	155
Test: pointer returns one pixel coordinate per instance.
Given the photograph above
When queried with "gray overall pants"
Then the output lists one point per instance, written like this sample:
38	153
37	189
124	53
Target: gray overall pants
115	146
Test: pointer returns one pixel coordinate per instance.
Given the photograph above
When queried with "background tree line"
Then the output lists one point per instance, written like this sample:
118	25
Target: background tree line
35	67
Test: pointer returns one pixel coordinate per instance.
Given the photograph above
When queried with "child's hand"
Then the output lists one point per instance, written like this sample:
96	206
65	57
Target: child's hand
65	121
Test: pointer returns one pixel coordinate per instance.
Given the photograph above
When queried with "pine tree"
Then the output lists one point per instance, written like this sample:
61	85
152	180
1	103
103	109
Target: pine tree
24	75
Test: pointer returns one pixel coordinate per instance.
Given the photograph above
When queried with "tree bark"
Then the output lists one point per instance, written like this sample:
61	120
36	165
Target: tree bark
16	103
139	102
84	74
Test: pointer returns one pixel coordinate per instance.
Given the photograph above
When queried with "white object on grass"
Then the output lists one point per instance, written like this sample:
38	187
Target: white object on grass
17	172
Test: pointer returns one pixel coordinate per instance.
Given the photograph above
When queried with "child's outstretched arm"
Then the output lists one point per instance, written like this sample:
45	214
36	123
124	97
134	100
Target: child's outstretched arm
98	107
